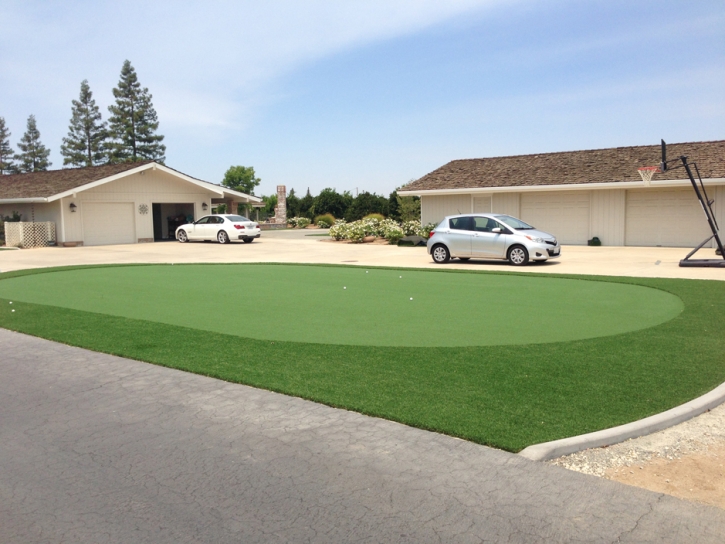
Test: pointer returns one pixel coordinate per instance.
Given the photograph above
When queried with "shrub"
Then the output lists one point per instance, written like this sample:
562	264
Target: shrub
292	221
339	231
303	222
378	216
325	221
427	228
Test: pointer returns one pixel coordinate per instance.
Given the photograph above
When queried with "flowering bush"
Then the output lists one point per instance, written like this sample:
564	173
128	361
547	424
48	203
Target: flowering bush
338	231
389	229
303	223
427	229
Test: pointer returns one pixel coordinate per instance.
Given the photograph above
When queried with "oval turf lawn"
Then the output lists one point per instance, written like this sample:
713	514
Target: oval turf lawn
353	305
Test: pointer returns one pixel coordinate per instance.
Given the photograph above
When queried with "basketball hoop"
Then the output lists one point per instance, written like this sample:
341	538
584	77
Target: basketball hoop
647	172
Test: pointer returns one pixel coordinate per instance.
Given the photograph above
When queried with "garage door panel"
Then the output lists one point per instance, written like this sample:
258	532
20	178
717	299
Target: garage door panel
666	217
565	214
106	223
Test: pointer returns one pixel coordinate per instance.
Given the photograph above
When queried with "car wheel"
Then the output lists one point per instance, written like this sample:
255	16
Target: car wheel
518	256
182	237
248	240
222	237
440	254
464	259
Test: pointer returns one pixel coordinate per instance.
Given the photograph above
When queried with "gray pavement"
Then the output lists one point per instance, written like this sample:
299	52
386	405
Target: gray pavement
95	448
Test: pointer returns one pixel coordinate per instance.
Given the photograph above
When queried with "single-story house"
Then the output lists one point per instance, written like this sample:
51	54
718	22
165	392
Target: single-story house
115	203
577	195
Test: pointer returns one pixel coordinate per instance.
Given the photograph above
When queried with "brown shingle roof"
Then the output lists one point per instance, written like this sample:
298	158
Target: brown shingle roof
52	182
616	164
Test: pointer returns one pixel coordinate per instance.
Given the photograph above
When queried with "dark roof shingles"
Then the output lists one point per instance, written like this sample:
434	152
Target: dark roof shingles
590	166
51	182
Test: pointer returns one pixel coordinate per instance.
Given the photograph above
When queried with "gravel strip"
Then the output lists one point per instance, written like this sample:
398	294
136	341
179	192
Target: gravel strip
697	435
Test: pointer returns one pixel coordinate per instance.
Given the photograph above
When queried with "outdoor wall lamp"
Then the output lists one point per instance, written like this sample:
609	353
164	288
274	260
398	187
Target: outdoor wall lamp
73	206
204	206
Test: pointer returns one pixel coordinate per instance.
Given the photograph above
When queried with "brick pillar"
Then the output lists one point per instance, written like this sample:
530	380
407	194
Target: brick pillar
231	207
280	210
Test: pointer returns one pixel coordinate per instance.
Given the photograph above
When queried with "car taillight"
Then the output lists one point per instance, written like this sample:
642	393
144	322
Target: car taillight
238	227
431	234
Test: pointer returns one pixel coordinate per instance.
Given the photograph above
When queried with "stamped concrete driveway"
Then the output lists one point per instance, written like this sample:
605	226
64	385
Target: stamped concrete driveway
95	448
294	246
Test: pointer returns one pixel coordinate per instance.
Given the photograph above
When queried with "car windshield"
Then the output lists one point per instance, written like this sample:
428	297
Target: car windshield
236	218
513	222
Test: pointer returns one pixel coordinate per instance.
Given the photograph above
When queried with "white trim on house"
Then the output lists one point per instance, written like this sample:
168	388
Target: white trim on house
35	200
563	187
221	191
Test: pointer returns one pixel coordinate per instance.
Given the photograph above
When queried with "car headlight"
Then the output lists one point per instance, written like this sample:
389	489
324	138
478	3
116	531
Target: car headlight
534	239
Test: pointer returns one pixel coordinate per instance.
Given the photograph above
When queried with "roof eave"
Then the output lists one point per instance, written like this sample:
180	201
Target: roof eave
560	187
143	167
34	200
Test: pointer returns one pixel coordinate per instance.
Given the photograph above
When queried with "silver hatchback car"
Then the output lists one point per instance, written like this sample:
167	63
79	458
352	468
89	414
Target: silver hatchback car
490	236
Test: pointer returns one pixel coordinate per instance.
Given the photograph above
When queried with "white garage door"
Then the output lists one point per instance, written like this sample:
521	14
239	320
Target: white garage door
563	214
106	223
664	217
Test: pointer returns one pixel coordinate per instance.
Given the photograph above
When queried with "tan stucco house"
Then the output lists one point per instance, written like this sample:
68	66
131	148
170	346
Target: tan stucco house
115	203
578	195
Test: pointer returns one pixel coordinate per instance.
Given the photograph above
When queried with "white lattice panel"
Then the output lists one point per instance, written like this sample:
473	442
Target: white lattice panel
22	234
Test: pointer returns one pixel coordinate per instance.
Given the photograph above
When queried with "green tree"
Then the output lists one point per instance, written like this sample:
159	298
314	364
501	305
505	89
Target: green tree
34	156
393	211
366	203
329	201
87	134
241	178
306	204
269	204
408	208
6	151
133	122
293	204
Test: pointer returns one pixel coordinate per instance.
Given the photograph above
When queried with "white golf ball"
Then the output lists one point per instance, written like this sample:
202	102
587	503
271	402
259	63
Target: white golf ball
11	302
13	310
401	277
366	271
344	287
411	298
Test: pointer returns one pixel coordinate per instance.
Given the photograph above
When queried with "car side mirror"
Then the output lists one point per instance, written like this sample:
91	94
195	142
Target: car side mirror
497	230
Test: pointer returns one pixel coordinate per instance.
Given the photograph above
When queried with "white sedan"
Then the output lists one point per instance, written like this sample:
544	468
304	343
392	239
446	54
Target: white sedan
222	228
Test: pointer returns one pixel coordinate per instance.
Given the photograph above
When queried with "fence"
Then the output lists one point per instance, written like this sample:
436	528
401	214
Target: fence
21	234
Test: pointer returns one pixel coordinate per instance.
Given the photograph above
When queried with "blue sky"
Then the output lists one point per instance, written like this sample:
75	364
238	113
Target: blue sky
369	95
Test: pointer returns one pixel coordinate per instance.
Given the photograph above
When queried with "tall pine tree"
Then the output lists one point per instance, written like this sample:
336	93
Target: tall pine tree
133	122
6	152
34	156
84	145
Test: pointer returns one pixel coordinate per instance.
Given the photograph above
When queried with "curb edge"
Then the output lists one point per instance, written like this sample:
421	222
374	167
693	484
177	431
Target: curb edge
614	435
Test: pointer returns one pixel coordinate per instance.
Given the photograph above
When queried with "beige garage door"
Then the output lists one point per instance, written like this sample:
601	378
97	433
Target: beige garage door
482	204
664	217
106	223
563	214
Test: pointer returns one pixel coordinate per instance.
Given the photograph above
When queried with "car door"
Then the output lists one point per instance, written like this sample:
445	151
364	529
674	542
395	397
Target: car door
459	236
486	243
215	225
198	229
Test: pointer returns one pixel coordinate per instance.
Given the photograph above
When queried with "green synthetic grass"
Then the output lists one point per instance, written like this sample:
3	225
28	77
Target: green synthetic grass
507	396
353	305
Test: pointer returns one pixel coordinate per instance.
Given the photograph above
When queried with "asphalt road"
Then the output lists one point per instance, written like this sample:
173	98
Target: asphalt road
95	448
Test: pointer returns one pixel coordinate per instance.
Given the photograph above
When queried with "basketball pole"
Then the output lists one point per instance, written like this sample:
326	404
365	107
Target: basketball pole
706	205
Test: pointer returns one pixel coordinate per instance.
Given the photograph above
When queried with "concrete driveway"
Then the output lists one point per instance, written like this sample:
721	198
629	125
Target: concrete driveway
95	448
293	246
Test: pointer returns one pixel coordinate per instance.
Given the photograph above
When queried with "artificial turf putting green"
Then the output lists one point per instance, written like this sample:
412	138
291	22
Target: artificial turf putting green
355	306
506	396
